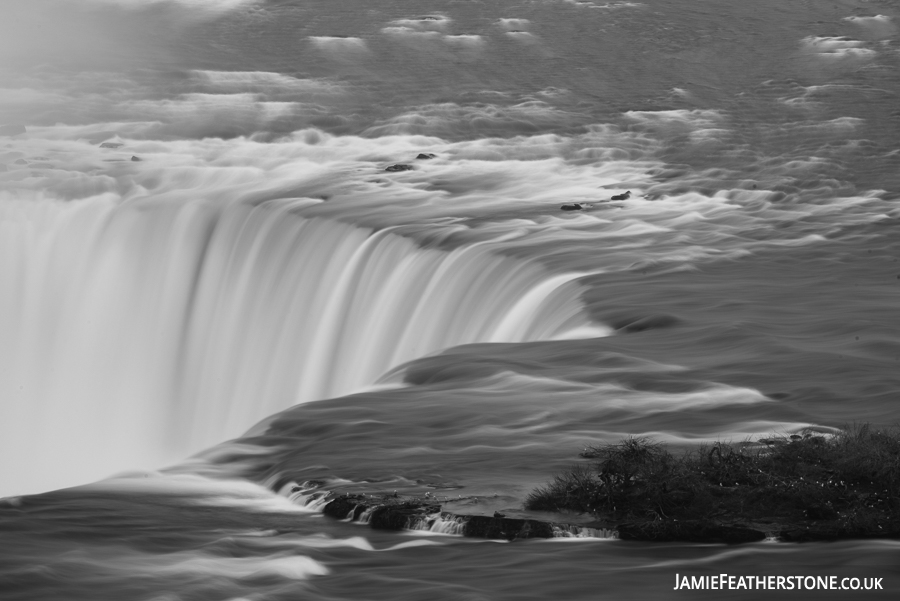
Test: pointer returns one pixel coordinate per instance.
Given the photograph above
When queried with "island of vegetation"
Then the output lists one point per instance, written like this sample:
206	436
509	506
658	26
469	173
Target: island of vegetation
797	488
813	487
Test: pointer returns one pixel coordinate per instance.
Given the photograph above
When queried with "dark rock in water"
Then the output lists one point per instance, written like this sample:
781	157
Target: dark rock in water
20	162
401	515
388	512
575	206
689	531
111	145
426	155
341	507
624	196
136	159
12	129
832	532
805	535
399	167
481	526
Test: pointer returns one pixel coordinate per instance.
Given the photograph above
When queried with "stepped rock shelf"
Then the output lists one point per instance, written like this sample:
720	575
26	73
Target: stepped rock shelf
387	512
794	489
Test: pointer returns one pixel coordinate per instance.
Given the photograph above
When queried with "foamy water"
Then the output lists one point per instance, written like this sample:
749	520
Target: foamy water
218	226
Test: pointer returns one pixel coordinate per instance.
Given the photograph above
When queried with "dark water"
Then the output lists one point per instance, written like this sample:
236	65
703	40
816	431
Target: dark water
240	274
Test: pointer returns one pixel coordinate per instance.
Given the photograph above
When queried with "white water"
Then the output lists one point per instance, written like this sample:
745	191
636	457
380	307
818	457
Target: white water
135	333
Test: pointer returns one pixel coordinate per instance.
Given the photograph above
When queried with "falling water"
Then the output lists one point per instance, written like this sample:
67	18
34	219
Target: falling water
212	279
170	328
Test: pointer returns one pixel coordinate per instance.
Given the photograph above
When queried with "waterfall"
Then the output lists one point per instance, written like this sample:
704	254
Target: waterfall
133	333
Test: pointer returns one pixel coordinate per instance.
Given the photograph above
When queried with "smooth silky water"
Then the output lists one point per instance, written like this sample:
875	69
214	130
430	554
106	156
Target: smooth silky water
238	298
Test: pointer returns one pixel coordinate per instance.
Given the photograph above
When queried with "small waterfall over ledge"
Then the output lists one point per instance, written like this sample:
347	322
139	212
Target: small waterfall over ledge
132	334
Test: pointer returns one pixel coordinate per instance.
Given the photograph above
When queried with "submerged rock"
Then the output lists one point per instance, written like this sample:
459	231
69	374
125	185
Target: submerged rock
111	145
12	129
426	155
575	206
136	159
624	196
399	167
20	162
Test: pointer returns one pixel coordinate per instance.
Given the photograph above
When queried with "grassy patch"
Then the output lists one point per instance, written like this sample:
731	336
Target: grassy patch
843	485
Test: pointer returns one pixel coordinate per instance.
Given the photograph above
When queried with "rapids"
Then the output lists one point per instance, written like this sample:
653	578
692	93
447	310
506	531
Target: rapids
212	289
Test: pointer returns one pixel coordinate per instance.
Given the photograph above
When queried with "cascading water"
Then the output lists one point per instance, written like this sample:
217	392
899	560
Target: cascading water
139	332
200	231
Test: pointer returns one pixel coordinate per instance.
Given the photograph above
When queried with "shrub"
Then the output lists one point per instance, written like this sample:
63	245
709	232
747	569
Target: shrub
850	479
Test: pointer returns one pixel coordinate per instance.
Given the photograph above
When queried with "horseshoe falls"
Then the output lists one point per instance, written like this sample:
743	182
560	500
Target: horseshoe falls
201	321
253	247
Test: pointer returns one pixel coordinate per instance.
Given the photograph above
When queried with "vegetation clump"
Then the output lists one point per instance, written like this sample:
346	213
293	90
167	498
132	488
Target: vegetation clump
809	487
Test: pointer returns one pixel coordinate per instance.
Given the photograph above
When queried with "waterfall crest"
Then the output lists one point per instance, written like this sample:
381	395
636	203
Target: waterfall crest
138	333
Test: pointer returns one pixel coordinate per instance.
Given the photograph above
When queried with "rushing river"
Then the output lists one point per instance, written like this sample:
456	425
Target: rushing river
212	287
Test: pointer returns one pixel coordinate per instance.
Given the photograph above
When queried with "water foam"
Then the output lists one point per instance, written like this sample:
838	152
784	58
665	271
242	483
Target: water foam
193	310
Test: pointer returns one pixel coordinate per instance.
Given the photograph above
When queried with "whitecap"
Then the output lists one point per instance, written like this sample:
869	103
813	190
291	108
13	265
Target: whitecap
513	23
835	47
465	39
262	82
339	44
877	27
429	22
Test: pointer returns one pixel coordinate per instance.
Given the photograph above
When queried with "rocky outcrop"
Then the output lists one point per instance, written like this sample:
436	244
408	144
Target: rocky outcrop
482	526
624	196
384	512
575	206
401	516
399	167
396	513
811	533
425	155
692	531
345	507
